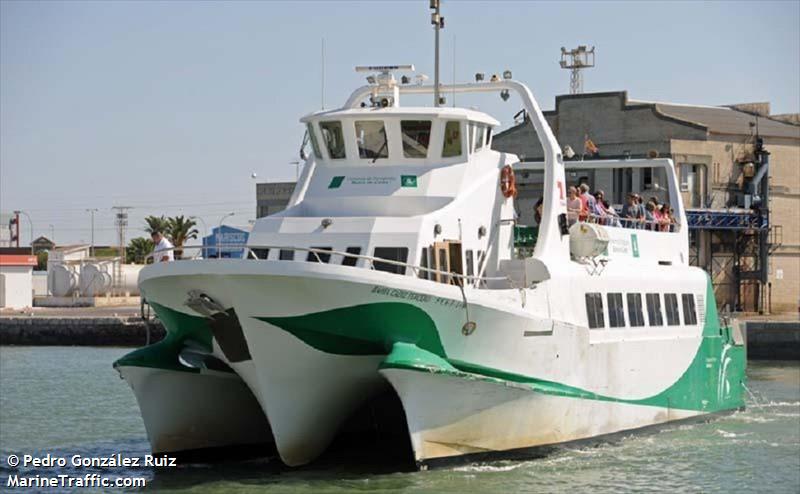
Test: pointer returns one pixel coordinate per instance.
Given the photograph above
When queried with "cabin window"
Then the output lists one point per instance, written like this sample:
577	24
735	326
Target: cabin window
594	310
481	259
635	316
452	139
260	253
286	255
488	136
416	137
312	136
371	137
319	256
470	264
349	260
334	139
616	313
480	131
423	262
654	309
689	312
671	306
399	254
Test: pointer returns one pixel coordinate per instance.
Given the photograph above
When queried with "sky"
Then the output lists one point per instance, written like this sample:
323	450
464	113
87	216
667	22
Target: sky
170	107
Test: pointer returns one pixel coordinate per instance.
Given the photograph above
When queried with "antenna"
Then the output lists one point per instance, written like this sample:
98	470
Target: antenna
322	62
438	22
454	71
576	60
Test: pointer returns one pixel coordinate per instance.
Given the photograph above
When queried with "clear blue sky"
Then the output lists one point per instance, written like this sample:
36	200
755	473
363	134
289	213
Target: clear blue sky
170	106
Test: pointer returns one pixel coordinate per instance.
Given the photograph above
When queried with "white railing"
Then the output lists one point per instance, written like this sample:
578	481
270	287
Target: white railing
617	221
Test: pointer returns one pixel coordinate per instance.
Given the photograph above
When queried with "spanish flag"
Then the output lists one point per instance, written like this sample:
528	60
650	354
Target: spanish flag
589	147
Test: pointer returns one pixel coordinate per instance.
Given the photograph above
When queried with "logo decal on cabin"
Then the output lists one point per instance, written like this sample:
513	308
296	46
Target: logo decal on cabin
336	182
408	180
635	245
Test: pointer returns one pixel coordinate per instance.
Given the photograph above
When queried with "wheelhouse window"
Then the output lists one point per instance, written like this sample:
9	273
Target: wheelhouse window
399	254
423	263
371	138
689	312
452	139
616	313
594	310
416	135
470	263
671	305
480	132
312	136
350	260
319	256
488	136
654	309
635	316
286	255
334	139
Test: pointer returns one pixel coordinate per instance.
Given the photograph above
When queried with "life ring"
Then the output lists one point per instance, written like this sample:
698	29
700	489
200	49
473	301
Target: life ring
508	183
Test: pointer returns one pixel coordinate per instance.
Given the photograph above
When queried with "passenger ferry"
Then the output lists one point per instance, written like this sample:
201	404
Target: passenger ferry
398	266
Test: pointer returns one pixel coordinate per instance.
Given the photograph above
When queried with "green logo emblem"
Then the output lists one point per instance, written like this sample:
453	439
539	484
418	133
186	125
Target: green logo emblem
408	180
635	245
336	182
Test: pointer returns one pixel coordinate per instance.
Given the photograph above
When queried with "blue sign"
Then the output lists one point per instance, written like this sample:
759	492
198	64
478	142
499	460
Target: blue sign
226	236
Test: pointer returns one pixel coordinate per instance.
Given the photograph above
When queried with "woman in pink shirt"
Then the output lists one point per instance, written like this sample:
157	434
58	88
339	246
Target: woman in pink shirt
575	207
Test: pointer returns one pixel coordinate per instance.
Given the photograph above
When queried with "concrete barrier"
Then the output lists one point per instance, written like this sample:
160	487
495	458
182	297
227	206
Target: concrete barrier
78	331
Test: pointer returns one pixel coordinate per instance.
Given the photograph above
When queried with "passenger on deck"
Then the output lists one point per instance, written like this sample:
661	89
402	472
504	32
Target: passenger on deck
630	212
162	248
589	202
667	218
537	211
574	205
609	215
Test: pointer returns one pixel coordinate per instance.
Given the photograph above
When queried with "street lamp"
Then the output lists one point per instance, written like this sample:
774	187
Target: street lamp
92	211
18	212
219	232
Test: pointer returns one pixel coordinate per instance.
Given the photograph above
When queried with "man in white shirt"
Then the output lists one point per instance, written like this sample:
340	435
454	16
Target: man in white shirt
162	250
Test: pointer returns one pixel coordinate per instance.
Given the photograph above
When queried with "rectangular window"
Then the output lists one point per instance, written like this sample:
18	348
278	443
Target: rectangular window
261	253
351	261
371	138
334	139
689	312
319	256
654	309
481	259
480	131
423	262
616	313
671	306
470	264
313	138
443	266
635	316
399	254
286	255
594	310
488	136
416	135
452	139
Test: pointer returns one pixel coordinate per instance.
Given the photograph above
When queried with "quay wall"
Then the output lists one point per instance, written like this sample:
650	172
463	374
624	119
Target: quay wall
78	331
773	340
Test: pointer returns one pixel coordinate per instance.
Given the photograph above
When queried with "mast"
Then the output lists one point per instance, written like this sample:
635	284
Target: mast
438	24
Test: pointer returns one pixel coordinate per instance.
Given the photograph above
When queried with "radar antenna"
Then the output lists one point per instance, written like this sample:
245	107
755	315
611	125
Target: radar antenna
576	60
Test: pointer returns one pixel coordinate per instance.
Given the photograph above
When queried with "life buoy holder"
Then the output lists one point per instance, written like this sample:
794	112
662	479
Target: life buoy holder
508	183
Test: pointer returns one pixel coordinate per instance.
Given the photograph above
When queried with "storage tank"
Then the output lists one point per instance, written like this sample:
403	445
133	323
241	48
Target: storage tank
95	279
587	240
62	280
130	278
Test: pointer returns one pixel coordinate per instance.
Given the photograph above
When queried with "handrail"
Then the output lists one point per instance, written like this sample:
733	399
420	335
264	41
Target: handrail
623	222
249	250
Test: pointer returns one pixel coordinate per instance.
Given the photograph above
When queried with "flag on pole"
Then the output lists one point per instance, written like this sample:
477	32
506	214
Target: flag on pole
589	147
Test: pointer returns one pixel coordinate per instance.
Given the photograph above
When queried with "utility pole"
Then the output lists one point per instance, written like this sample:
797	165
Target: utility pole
438	24
121	221
92	211
19	212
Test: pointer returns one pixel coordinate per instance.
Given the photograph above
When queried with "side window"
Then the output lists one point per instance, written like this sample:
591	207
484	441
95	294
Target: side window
654	309
314	143
635	316
261	253
351	261
319	256
399	254
452	139
416	135
470	263
689	312
479	134
371	138
671	306
488	136
594	310
616	313
481	259
286	255
334	139
423	262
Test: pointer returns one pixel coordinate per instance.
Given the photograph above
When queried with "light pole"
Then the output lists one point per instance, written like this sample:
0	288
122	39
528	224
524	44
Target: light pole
92	211
219	233
18	212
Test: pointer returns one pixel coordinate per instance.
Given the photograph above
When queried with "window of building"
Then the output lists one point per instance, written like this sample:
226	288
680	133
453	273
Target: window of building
654	309
423	262
416	135
351	261
616	312
689	312
371	138
594	310
312	136
286	255
334	139
399	254
671	306
452	139
319	256
635	316
470	263
480	132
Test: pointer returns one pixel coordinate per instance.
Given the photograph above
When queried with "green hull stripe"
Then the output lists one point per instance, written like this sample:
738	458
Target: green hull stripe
164	354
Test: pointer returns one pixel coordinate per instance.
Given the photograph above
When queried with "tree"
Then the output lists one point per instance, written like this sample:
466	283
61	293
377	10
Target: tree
179	230
156	224
41	260
137	250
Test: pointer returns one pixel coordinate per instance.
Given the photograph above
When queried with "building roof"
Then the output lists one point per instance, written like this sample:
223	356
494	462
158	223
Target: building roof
722	120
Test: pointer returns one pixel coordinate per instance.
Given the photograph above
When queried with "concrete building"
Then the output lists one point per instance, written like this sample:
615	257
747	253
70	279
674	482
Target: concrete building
713	150
272	197
16	279
223	236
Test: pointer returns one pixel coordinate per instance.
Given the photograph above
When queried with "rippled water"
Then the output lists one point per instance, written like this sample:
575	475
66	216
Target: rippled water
68	400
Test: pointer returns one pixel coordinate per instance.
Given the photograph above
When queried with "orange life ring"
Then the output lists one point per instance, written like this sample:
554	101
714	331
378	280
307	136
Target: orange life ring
508	183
